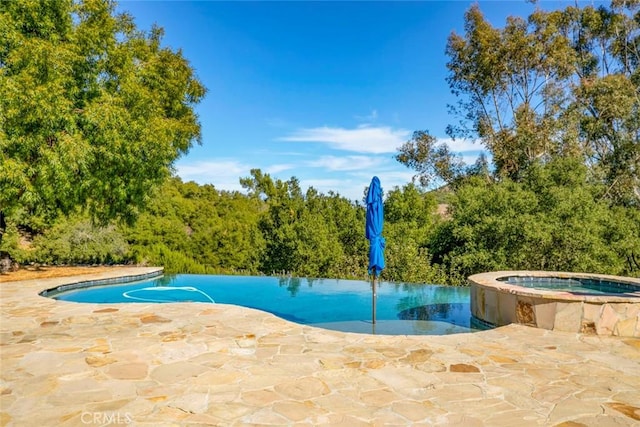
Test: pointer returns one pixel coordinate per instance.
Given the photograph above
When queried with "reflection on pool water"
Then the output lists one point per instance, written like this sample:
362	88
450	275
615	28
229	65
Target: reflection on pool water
343	305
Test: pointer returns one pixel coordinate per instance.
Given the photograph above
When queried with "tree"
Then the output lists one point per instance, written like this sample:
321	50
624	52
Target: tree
607	96
279	224
75	240
434	162
551	220
410	218
191	228
558	84
93	111
308	234
510	86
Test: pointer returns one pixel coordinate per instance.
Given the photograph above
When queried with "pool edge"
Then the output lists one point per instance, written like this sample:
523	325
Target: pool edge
500	304
78	282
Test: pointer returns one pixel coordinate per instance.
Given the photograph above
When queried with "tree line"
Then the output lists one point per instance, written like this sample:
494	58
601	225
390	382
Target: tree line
275	229
93	113
553	220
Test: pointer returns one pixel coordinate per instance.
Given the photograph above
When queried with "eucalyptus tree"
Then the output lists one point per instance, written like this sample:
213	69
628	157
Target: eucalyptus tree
560	83
606	94
555	100
93	111
434	162
510	85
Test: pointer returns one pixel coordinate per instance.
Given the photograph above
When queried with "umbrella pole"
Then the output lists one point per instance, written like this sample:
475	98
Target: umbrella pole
373	301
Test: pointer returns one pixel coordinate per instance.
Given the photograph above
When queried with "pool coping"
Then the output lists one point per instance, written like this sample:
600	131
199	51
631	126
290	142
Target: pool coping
73	364
80	283
500	303
491	280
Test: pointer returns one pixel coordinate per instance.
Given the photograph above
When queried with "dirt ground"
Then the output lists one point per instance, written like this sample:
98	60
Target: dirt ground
45	272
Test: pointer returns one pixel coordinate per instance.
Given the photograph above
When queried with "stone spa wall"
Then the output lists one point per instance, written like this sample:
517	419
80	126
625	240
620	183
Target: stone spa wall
499	303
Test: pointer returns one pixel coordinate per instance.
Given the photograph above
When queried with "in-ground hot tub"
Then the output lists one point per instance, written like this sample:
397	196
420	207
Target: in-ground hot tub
571	302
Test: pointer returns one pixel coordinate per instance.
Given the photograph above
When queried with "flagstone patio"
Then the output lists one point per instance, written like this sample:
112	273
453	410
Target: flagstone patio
70	364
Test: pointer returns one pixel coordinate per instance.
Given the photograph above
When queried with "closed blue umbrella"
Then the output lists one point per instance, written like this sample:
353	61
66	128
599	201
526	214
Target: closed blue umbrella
373	232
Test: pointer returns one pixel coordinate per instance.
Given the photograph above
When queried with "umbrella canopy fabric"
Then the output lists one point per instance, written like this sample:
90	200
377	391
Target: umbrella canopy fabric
374	225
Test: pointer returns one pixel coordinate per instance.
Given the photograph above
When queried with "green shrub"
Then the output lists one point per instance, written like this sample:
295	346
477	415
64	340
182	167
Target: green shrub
78	241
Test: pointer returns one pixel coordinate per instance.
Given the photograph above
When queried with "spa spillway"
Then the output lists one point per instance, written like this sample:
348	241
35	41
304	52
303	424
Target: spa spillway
570	302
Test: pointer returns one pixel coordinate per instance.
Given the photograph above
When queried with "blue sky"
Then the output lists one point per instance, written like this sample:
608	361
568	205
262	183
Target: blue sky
323	91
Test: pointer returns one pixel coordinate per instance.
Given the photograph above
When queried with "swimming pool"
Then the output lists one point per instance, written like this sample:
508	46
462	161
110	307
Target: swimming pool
344	305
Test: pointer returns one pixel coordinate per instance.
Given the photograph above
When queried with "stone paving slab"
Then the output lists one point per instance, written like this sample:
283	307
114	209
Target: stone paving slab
189	364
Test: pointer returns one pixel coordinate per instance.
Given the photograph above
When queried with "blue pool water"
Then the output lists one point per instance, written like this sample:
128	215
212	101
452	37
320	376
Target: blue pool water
343	305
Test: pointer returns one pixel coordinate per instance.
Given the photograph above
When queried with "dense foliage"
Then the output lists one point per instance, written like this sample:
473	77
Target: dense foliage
554	100
276	229
552	220
93	111
558	84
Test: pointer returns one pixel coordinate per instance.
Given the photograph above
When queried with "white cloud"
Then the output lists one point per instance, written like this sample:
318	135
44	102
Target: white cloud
324	185
352	186
223	174
346	175
345	163
363	139
354	173
393	171
211	168
396	178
